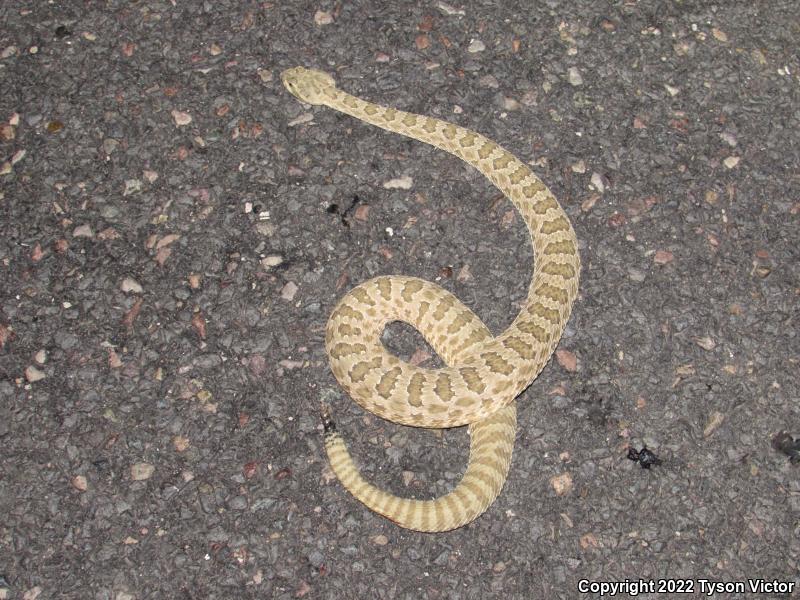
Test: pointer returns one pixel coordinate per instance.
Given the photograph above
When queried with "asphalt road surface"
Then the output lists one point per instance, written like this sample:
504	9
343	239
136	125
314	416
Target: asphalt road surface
175	229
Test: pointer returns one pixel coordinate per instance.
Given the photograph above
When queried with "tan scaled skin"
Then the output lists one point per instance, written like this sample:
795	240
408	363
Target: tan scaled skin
484	373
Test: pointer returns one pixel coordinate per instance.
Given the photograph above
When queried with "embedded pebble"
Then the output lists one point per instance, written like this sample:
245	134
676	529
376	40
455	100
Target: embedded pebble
141	471
579	167
719	35
237	503
561	484
408	477
489	81
567	360
636	274
729	139
83	231
303	118
167	240
131	285
400	183
530	98
316	559
476	46
714	421
32	374
288	291
450	10
7	132
663	257
323	17
273	260
181	118
132	186
705	342
110	145
731	162
597	182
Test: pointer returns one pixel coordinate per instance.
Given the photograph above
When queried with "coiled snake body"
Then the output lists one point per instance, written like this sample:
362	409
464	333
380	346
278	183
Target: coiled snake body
484	373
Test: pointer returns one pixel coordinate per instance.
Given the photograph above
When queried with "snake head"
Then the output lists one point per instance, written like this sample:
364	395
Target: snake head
308	85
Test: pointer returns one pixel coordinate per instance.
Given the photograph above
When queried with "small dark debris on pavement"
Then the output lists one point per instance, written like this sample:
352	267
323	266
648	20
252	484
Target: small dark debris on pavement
644	457
788	445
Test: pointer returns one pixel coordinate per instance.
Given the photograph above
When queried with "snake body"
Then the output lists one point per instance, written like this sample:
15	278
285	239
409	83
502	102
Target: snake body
484	373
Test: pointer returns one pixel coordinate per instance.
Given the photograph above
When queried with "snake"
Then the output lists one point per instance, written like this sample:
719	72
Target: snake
483	373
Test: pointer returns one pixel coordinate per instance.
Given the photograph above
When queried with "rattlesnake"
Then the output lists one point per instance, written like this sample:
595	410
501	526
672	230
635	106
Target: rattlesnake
484	373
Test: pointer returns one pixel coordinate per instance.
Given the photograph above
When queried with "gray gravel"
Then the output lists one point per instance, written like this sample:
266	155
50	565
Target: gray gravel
176	229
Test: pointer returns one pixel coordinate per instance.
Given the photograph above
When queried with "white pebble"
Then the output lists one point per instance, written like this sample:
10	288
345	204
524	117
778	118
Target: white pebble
141	471
729	139
575	76
83	231
132	186
597	182
401	183
273	260
33	374
181	118
304	118
323	17
731	162
288	291
450	10
130	285
476	46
